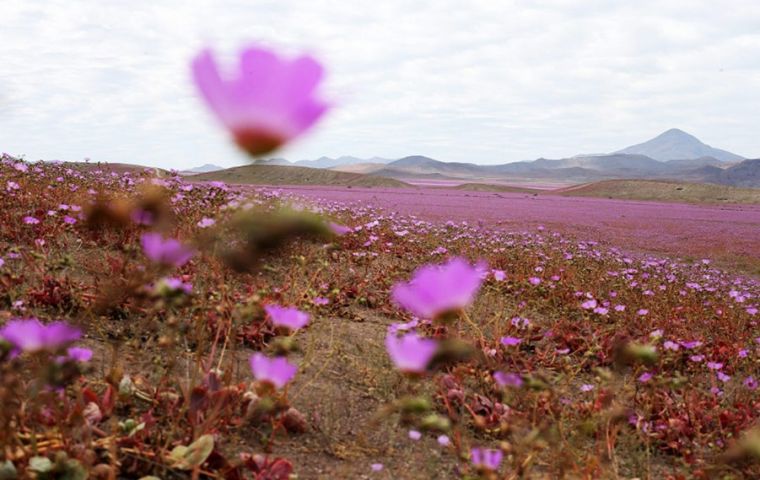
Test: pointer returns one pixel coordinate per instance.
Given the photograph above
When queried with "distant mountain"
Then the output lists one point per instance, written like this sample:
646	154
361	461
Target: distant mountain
673	155
744	174
327	162
205	168
676	144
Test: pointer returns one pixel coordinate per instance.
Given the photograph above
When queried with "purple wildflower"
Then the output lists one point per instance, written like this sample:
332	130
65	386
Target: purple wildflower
414	435
486	458
589	304
275	371
438	289
29	335
645	377
508	379
287	317
267	103
410	353
750	383
206	222
79	354
166	251
510	341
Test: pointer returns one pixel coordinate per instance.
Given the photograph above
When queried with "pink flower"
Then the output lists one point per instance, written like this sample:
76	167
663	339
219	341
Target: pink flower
168	252
438	289
645	377
510	341
499	275
414	435
338	229
589	304
206	222
29	335
275	371
486	458
750	383
376	467
290	318
508	379
79	354
31	220
267	102
586	387
443	440
410	353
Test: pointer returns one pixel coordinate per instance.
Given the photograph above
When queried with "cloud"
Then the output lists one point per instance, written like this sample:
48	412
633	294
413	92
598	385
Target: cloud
482	81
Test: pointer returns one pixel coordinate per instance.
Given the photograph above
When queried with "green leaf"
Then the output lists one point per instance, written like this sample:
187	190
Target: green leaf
187	458
40	464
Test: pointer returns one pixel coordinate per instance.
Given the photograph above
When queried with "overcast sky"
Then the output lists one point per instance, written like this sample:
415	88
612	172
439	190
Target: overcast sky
485	81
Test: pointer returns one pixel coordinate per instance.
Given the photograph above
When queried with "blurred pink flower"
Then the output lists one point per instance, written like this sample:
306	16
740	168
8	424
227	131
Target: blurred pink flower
167	251
510	341
438	289
79	354
410	353
29	335
287	317
508	379
206	222
486	458
276	371
267	102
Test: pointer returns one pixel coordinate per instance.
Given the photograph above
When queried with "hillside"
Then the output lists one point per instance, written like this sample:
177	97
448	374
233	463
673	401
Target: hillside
115	168
280	175
664	191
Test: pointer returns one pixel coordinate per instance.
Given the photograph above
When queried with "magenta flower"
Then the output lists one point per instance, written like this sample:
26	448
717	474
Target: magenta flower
79	354
275	371
645	377
508	379
290	318
29	335
206	222
510	341
486	458
750	383
410	353
166	251
338	229
267	102
173	285
31	220
414	435
589	304
438	289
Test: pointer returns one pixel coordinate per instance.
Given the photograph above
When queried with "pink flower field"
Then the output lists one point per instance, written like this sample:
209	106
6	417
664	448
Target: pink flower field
729	233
